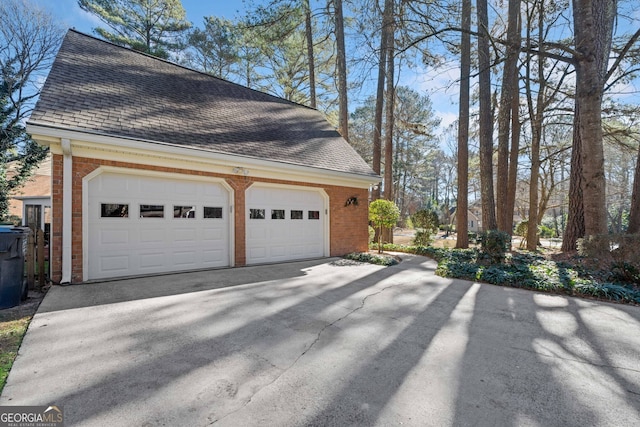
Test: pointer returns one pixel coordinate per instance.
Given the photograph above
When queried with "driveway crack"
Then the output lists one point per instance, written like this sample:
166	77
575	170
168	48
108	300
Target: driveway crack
306	350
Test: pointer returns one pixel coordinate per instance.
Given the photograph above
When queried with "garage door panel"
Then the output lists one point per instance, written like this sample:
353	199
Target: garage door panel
185	234
215	234
114	185
151	259
257	253
214	256
257	232
155	245
115	263
315	250
114	237
293	237
155	187
185	258
279	251
185	189
151	235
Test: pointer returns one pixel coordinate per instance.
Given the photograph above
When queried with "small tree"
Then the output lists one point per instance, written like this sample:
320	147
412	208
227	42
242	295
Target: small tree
383	214
427	222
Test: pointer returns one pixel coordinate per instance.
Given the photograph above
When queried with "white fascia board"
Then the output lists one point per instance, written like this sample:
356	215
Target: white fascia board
169	155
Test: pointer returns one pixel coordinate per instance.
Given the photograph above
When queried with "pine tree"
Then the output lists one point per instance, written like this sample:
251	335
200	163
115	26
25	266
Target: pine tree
155	27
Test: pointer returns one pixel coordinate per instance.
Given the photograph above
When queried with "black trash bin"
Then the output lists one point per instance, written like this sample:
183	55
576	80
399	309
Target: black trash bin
12	284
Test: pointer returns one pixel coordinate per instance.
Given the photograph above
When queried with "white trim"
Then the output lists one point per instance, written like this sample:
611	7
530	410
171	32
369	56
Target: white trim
139	172
67	210
171	155
326	203
42	201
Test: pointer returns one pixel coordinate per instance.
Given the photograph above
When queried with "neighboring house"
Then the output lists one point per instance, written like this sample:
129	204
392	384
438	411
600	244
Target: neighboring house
32	201
158	168
474	219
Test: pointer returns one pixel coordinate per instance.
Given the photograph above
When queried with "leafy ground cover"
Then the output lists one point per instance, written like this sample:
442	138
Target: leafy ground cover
545	272
378	259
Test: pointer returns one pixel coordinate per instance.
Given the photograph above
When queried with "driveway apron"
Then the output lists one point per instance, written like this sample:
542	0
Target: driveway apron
327	343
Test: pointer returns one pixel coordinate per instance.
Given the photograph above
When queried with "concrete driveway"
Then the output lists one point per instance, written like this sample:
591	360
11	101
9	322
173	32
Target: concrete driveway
328	343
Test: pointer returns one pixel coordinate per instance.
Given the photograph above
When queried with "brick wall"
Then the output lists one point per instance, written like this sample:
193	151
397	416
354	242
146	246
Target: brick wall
348	224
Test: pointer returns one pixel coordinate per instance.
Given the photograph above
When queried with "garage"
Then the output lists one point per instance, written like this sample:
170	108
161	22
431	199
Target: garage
285	223
138	225
173	170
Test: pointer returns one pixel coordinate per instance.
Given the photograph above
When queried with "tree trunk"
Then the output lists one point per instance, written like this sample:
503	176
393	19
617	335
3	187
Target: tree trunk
634	214
308	28
389	108
343	109
532	229
593	28
462	205
485	120
575	216
508	93
514	154
536	114
377	134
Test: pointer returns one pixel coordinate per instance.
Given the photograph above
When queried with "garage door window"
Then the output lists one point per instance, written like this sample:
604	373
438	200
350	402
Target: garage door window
297	215
210	212
314	214
184	212
114	210
151	211
277	213
256	213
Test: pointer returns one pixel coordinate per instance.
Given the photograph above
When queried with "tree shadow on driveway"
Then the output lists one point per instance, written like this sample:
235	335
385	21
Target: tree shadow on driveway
114	291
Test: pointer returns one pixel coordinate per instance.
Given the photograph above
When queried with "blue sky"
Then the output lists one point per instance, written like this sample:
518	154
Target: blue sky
71	15
439	84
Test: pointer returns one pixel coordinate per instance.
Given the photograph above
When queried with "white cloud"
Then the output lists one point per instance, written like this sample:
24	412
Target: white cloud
447	118
442	86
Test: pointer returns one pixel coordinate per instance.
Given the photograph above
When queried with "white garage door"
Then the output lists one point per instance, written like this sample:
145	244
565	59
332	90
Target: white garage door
284	224
143	225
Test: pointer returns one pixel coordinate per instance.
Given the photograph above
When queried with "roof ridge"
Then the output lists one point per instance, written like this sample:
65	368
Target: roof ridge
168	62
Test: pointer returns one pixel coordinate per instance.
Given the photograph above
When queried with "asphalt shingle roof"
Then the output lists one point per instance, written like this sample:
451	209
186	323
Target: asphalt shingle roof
97	87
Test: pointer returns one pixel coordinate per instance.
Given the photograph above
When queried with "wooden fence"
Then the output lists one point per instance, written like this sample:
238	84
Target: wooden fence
35	260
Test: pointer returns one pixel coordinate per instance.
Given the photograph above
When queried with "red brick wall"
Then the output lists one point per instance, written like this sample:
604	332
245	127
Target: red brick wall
55	243
348	224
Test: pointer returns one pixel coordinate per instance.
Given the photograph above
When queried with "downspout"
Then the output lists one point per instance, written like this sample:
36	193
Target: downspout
67	210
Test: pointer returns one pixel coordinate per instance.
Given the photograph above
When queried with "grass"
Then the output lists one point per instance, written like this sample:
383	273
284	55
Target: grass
13	325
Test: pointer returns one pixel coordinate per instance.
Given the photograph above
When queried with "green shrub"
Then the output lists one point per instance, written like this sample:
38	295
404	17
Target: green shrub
546	232
624	271
372	234
617	248
595	246
383	214
524	270
521	228
426	220
494	245
372	258
422	238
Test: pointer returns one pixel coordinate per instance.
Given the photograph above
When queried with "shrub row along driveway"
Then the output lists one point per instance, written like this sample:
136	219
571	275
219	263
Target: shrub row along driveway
328	343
